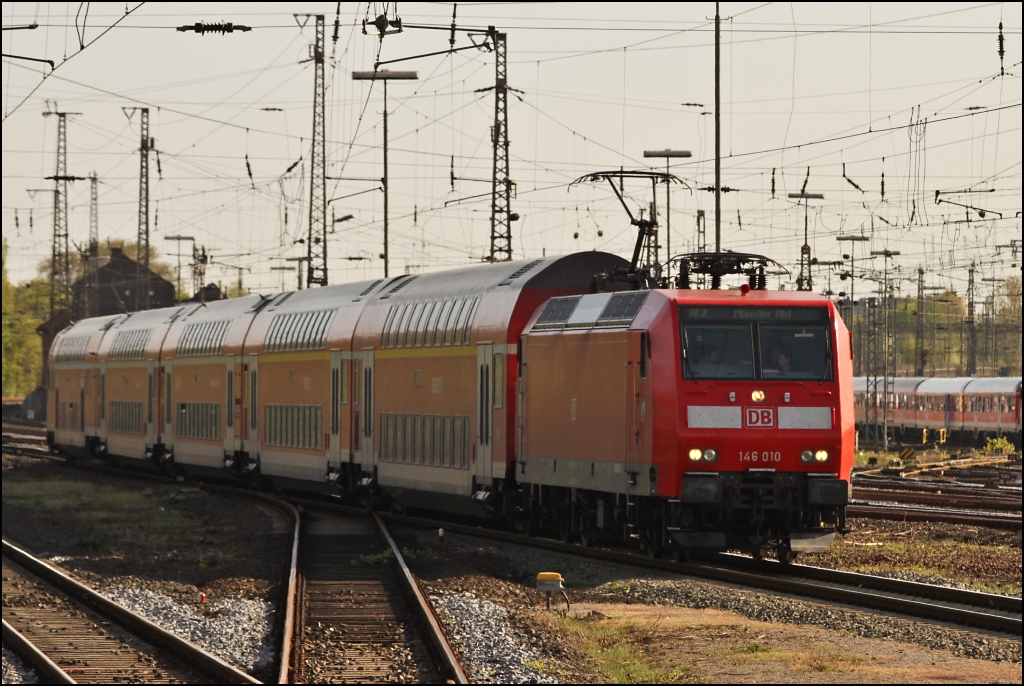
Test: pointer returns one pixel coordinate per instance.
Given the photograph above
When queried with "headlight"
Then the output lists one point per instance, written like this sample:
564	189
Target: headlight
806	456
708	455
821	456
757	396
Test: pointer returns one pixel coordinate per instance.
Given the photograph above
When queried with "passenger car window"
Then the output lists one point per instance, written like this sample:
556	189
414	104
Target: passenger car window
421	327
446	309
451	325
414	323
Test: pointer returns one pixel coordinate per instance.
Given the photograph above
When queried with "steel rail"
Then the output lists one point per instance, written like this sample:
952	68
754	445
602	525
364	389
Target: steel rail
764	580
446	656
952	463
330	571
291	594
978	501
140	626
934	486
32	449
991	601
992	520
45	668
777	581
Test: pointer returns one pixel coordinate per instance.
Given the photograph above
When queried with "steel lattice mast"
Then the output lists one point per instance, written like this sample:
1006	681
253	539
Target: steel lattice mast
60	265
93	250
972	332
316	244
501	183
919	353
142	282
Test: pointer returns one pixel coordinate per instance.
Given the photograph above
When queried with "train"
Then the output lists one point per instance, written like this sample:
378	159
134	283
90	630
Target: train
960	410
560	394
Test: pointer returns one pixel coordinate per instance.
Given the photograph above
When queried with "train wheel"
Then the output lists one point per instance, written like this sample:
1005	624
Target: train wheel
785	554
678	554
588	537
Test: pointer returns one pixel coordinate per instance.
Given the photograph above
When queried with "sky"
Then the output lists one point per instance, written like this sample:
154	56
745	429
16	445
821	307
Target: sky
821	97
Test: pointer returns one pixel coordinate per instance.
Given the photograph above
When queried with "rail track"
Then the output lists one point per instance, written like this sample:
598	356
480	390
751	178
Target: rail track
360	617
988	612
352	610
910	513
984	611
72	634
962	501
935	486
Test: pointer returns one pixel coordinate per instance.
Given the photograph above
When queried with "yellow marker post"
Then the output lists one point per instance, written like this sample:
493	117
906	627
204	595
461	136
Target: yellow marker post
551	582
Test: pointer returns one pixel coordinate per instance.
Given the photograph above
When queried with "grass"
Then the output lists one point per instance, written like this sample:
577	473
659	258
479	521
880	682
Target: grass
372	560
621	652
925	455
420	555
109	520
618	585
931	557
107	512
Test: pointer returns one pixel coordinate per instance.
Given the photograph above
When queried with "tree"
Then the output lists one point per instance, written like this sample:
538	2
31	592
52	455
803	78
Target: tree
1006	327
1008	302
23	310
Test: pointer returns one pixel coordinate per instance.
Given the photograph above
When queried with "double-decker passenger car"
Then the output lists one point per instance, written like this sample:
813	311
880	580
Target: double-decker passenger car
548	393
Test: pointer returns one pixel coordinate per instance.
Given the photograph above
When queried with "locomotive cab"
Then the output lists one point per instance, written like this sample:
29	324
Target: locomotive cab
765	421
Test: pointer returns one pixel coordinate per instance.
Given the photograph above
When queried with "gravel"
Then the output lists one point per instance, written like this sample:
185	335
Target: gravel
237	630
930	579
609	582
771	608
15	671
491	649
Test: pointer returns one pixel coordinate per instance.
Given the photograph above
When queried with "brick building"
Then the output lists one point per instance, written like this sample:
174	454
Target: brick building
112	289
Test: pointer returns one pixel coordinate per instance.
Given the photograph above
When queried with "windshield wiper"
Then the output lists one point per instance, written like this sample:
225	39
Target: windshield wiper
828	362
686	355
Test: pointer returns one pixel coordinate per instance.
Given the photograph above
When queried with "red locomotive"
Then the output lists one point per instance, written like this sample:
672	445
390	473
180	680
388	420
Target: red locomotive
550	393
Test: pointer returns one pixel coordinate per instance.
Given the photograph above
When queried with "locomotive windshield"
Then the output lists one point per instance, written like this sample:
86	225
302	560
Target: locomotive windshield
784	343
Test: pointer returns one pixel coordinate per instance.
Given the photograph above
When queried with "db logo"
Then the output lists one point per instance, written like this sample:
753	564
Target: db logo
760	417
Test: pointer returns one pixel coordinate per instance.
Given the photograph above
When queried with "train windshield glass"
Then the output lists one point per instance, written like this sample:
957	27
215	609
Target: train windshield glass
724	351
794	352
784	343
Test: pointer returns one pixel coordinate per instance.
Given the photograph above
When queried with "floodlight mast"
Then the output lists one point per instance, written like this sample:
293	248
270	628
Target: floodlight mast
384	76
502	215
668	155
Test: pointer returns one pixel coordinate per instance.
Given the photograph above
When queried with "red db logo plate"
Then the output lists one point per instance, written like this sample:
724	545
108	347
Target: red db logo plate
759	417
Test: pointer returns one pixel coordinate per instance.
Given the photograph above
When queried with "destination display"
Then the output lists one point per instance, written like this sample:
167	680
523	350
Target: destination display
756	314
